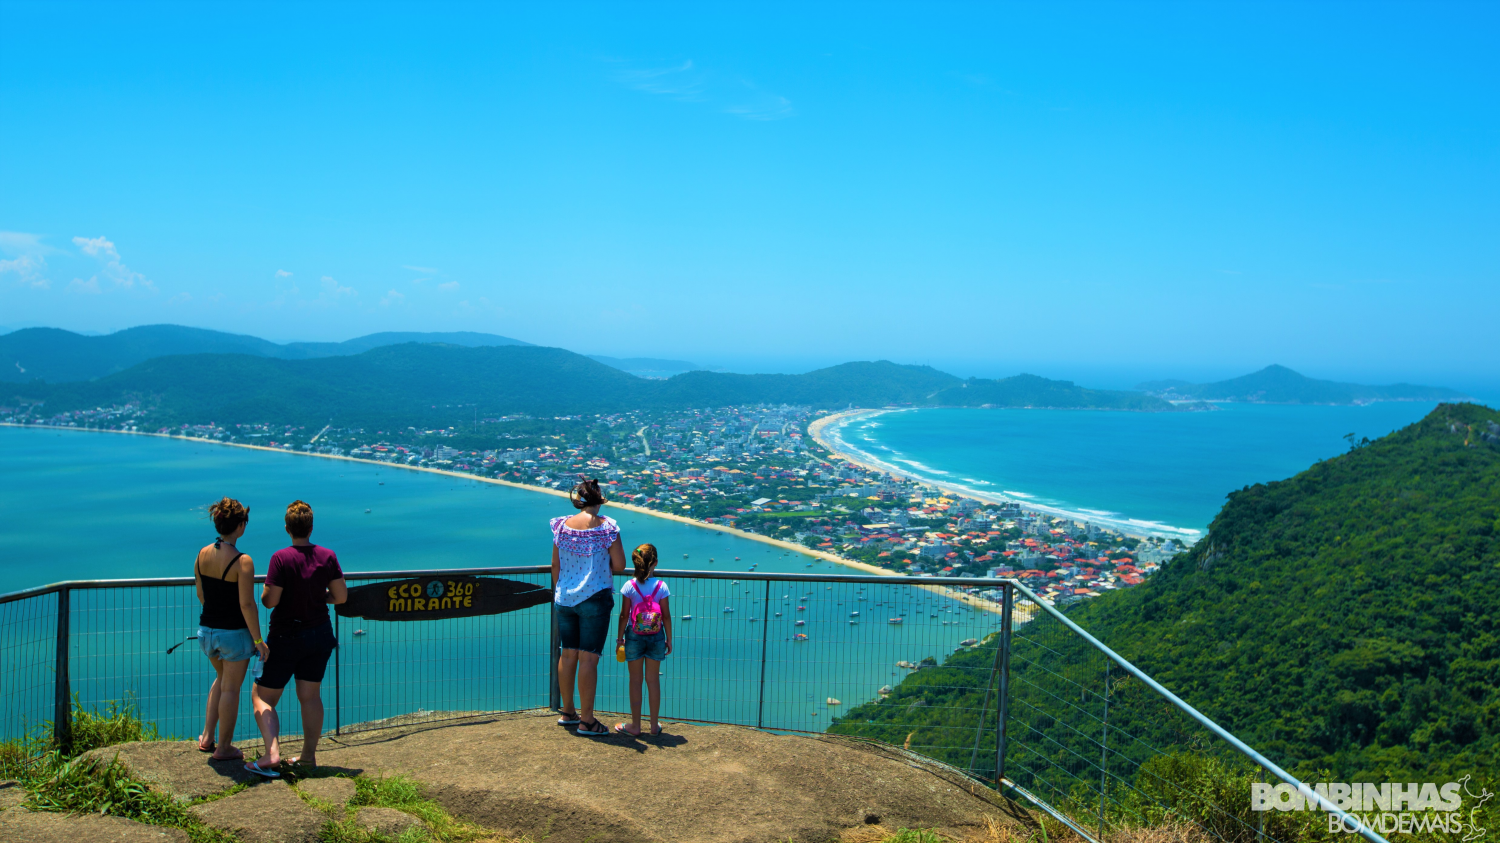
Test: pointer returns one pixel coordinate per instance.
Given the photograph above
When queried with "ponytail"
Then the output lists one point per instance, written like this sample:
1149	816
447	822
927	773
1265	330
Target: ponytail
644	559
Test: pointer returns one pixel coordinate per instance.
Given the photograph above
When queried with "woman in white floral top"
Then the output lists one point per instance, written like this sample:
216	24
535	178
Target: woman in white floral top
586	554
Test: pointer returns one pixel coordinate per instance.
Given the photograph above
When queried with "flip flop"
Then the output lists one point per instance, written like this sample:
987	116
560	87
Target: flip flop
568	719
209	747
261	771
620	727
656	733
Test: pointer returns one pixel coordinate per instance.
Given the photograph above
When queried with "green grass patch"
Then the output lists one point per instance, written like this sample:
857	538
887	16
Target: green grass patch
403	794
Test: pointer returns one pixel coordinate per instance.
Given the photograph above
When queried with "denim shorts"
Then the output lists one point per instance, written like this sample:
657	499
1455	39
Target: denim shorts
585	626
303	654
653	647
230	645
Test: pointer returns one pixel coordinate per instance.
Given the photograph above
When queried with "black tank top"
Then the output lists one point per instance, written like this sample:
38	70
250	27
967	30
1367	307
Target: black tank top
221	600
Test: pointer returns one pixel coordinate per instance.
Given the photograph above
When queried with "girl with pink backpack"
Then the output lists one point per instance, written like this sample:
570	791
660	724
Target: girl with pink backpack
645	635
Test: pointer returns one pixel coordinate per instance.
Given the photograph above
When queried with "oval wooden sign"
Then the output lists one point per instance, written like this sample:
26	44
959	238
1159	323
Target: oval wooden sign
438	598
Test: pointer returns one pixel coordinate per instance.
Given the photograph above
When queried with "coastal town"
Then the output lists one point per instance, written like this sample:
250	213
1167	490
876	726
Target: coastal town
756	469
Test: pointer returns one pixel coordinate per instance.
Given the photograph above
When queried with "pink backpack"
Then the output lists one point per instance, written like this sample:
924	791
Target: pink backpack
646	614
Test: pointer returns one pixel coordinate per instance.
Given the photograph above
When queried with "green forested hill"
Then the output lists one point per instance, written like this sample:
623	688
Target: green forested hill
1346	619
1039	392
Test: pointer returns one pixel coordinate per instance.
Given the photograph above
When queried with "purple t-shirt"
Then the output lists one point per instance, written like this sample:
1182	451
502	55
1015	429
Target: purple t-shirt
303	574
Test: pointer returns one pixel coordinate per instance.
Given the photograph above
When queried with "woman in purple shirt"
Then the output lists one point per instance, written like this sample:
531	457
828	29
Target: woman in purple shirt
300	583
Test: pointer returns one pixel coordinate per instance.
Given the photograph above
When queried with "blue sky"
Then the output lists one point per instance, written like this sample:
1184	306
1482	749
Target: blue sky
1103	192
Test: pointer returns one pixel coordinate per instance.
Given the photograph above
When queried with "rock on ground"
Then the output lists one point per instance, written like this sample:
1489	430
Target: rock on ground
387	821
334	791
177	767
266	813
19	825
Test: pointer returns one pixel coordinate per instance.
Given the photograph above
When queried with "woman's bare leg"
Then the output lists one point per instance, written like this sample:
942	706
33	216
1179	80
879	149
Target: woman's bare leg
211	711
310	695
567	668
653	684
230	679
264	701
588	680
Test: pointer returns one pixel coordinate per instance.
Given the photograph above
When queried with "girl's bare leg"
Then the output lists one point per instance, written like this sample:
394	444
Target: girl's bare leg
635	694
264	700
211	712
653	684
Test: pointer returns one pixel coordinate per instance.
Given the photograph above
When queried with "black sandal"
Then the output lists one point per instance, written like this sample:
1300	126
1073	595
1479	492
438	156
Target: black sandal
594	729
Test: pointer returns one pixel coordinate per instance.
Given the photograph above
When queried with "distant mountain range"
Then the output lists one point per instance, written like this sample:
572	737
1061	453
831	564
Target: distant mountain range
435	383
1280	385
58	356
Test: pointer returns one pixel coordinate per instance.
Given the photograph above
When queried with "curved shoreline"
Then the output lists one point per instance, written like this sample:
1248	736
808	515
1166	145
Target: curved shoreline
805	551
820	431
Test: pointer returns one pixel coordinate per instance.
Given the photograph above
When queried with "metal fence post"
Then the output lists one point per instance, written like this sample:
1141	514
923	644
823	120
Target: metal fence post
1104	751
1002	705
554	696
765	627
338	680
62	693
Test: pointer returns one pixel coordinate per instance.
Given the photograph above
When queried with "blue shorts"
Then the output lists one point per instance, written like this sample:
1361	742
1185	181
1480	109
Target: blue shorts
230	645
653	647
303	654
585	626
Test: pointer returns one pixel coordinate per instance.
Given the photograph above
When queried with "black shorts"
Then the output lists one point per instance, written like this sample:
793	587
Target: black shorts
303	654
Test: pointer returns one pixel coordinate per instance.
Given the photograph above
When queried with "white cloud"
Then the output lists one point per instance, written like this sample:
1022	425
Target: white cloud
29	263
333	289
688	83
282	273
180	297
115	270
91	286
425	270
448	285
392	297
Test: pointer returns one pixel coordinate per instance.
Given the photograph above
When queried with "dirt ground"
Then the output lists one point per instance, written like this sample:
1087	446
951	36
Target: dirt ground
522	774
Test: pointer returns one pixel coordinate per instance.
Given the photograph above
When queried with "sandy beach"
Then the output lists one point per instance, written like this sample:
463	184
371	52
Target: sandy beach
785	545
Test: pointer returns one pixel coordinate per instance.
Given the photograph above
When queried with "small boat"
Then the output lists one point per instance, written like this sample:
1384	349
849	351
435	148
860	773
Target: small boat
367	512
728	610
687	617
382	482
853	621
753	620
799	637
800	623
906	665
854	614
778	614
897	621
710	560
359	632
832	701
801	608
736	559
684	556
968	642
734	582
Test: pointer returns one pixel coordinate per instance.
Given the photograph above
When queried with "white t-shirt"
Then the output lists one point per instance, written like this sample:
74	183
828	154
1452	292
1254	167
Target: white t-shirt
635	592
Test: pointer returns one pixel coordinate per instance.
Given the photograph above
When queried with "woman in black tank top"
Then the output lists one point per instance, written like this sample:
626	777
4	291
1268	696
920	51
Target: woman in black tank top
228	626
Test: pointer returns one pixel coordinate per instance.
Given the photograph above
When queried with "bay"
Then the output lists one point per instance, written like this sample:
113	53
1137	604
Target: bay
77	505
1156	473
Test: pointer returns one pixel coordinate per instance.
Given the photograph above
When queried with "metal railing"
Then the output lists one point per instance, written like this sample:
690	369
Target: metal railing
1003	686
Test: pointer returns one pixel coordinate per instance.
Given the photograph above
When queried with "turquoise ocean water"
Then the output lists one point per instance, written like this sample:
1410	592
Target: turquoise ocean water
77	505
1161	473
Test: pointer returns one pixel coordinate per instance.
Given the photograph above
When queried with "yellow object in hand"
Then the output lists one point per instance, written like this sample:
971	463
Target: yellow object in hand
620	653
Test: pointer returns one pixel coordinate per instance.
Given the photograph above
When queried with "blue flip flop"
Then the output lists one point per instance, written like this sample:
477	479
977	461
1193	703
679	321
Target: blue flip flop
260	771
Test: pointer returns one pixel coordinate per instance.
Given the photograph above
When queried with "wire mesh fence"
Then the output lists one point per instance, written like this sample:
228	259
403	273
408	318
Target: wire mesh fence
987	679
